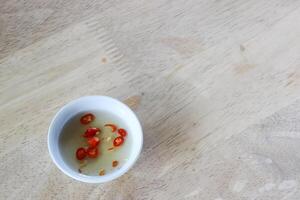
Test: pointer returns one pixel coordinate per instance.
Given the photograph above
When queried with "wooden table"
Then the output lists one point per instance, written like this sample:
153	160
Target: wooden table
216	85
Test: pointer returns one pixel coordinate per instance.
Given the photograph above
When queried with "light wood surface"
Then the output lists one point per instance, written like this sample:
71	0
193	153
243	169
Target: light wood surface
216	85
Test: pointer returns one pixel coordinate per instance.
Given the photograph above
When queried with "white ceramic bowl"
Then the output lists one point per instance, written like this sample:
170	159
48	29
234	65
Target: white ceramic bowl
101	103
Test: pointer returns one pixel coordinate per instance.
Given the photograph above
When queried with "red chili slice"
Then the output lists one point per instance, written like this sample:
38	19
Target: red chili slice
80	153
93	142
118	141
92	152
91	132
122	132
112	126
87	118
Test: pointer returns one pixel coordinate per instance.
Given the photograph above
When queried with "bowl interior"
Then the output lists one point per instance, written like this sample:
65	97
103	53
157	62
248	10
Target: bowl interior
101	103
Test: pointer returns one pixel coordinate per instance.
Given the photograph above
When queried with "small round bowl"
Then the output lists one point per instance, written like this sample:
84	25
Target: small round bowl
101	103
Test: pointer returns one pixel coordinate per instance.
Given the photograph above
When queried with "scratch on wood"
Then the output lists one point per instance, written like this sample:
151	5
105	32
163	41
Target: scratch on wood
289	83
292	78
104	60
183	46
133	102
291	75
243	68
177	68
242	48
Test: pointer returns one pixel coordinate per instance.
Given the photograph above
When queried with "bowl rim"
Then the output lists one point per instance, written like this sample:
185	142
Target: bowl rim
95	179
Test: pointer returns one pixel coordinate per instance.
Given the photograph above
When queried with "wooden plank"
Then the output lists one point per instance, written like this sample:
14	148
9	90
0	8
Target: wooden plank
214	83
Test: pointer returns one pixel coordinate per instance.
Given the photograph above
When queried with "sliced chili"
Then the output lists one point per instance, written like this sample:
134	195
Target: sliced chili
92	152
115	163
87	118
102	172
118	141
93	142
81	153
110	149
112	126
91	132
122	132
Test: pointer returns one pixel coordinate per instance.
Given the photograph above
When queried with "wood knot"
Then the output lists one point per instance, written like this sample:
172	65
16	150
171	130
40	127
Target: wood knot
133	102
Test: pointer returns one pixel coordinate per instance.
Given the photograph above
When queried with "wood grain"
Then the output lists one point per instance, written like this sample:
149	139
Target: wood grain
215	84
